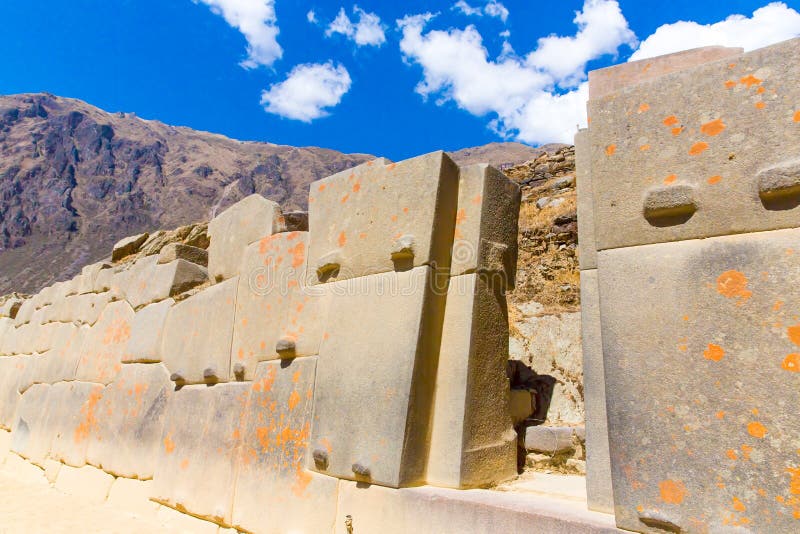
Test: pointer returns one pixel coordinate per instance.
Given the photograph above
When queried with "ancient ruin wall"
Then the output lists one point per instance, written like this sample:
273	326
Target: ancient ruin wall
244	384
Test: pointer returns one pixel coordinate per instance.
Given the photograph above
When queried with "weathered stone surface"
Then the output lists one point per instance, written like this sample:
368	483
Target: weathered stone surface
296	221
383	216
73	413
24	471
132	495
306	323
196	464
274	492
155	282
88	483
587	247
196	344
668	165
272	270
598	463
486	224
232	230
89	276
30	435
130	421
127	246
354	372
472	441
179	251
105	343
176	521
84	309
12	372
700	339
552	439
147	330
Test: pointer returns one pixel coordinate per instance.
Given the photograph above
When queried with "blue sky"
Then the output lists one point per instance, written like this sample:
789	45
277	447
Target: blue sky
470	73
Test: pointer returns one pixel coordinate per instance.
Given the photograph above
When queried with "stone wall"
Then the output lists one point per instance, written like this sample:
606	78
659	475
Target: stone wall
241	384
689	195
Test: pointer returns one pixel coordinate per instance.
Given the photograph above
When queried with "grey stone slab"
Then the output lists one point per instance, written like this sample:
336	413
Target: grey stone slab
30	435
179	251
12	372
700	342
670	165
587	246
105	344
150	281
127	246
147	330
73	416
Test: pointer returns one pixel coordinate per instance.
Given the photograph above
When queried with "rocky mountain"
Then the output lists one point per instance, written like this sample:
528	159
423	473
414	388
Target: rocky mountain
74	179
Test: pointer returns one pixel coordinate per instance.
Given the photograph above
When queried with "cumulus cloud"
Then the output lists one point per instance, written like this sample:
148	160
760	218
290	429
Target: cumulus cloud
770	24
493	8
256	20
367	31
307	91
519	92
311	16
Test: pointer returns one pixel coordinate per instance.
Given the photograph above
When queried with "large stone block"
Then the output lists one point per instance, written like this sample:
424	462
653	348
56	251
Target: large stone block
599	491
486	224
7	329
30	435
232	230
130	421
179	251
132	496
25	311
12	372
150	281
89	274
274	492
61	360
700	340
196	465
305	326
587	247
197	336
73	415
147	330
272	270
105	343
380	217
668	165
127	246
88	483
83	309
384	335
472	440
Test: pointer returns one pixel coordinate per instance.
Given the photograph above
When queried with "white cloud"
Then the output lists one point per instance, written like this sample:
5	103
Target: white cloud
602	28
368	31
311	16
256	20
519	92
770	24
493	8
307	91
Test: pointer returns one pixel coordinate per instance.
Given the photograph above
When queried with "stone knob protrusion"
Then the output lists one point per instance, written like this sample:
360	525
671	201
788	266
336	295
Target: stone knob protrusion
403	247
178	377
210	374
670	205
285	346
320	458
779	183
238	371
329	264
361	470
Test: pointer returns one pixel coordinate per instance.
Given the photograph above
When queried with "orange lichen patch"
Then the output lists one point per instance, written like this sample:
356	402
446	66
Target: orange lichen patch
756	429
698	148
750	81
777	306
754	411
610	149
746	450
644	148
796	116
477	199
730	84
185	463
760	90
344	198
169	445
682	348
714	180
391	166
672	120
298	253
794	334
677	131
294	399
362	235
685	317
733	284
738	505
643	108
672	491
670	179
89	413
461	216
356	187
296	377
342	239
791	363
321	187
714	352
713	128
394	218
760	105
720	414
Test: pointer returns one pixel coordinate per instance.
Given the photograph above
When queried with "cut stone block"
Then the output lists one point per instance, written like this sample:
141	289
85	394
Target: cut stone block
30	436
147	328
24	471
599	492
196	345
127	246
5	445
232	230
153	282
130	421
380	217
12	373
355	371
61	361
701	365
133	496
486	224
84	309
472	440
175	521
551	440
305	325
51	469
668	165
587	247
88	483
7	332
105	343
196	463
25	311
272	270
73	414
89	276
179	251
274	492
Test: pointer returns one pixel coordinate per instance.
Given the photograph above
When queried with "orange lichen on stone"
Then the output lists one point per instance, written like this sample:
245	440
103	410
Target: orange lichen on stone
643	108
797	116
730	84
738	505
733	284
777	306
714	179
644	148
356	187
672	491
720	414
677	131
760	105
714	352
756	429
610	150
794	334
750	81
760	90
672	120
713	128
670	179
791	363
698	148
89	413
342	239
